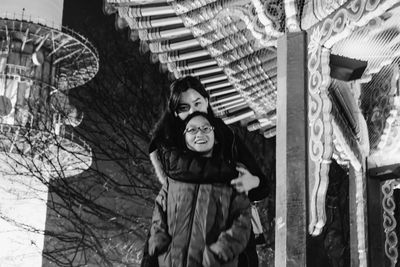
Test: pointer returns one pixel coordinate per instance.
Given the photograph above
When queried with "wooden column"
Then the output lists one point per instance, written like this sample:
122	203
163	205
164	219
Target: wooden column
376	235
291	151
358	217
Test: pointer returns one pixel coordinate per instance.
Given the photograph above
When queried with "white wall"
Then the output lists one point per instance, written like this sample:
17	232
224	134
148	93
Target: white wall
22	199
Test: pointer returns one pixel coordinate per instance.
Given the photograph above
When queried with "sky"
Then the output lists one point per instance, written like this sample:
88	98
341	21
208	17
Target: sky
48	12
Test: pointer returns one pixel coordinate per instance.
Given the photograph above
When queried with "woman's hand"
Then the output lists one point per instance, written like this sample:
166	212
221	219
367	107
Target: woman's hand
224	255
210	258
246	181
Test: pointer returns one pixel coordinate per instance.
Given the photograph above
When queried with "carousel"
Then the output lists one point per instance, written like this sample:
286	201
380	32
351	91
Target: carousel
320	76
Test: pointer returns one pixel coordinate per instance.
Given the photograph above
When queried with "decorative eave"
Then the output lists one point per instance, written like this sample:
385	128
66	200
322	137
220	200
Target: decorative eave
230	45
374	39
330	131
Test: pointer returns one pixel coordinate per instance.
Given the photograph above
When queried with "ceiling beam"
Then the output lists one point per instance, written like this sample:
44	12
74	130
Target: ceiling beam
385	172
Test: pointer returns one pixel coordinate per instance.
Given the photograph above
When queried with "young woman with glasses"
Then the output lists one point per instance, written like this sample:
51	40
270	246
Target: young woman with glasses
199	224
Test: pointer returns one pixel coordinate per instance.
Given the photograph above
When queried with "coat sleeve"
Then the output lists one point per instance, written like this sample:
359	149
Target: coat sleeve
246	157
239	152
158	168
234	240
191	167
159	238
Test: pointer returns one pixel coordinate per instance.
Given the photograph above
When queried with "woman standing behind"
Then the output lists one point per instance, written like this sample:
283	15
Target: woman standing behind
198	224
188	95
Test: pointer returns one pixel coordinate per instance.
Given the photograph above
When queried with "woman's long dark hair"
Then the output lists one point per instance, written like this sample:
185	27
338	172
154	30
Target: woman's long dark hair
182	85
167	129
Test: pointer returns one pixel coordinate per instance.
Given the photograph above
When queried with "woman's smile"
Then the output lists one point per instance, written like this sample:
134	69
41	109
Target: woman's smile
199	135
200	140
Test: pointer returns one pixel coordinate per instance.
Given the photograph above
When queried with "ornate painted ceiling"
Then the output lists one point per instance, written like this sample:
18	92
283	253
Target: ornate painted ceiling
231	45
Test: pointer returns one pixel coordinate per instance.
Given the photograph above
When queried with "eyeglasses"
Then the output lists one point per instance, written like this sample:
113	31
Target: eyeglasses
204	129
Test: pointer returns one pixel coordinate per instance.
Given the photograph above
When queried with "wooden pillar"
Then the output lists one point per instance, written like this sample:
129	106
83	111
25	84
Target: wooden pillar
291	152
353	218
358	217
376	236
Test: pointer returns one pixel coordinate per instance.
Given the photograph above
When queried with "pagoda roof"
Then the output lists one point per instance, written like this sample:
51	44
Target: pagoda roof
233	55
232	47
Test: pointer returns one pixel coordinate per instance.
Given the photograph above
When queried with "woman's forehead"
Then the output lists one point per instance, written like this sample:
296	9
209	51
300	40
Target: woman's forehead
198	120
190	95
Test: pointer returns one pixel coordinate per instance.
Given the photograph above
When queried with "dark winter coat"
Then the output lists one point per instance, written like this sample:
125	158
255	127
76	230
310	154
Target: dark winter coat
236	151
189	217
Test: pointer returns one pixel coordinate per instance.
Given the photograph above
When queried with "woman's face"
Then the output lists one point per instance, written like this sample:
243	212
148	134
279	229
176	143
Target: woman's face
199	135
190	102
